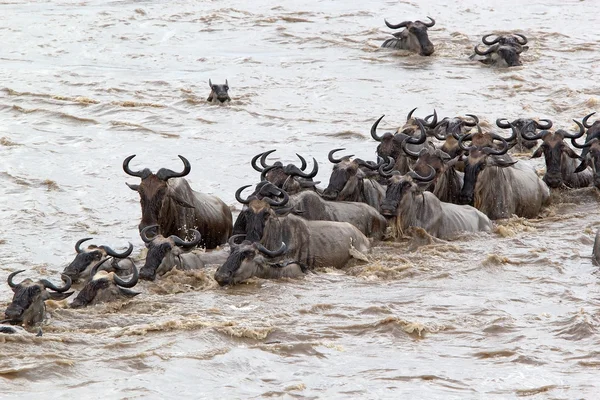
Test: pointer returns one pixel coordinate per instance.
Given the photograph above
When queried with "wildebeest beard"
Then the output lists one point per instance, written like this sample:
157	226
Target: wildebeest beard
155	256
393	196
88	293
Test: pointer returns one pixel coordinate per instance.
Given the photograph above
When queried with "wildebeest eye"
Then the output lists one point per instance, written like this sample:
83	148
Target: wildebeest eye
248	254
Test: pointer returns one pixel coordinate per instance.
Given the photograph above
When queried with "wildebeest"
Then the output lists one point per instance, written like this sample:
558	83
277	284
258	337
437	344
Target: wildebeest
105	286
87	258
590	155
410	206
251	259
560	158
27	307
348	182
596	249
526	127
168	201
497	186
449	130
218	93
313	243
287	177
504	51
309	205
413	37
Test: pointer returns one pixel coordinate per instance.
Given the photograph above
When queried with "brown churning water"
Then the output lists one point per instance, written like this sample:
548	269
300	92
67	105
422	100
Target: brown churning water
83	85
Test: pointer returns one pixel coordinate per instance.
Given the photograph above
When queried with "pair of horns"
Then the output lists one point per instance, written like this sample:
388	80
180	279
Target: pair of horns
47	284
108	250
176	239
406	23
126	284
163	174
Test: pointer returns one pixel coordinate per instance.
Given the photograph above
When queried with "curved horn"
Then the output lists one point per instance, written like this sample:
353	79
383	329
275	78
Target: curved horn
524	41
263	175
475	120
140	174
511	138
113	253
165	174
429	24
132	282
421	139
484	53
11	276
276	203
145	238
296	172
263	158
462	139
434	121
501	124
548	124
98	267
384	173
77	248
239	192
585	120
231	241
182	243
370	165
409	116
536	135
411	154
49	285
253	162
574	135
303	164
271	253
489	43
400	25
583	146
337	160
374	129
390	163
491	151
420	178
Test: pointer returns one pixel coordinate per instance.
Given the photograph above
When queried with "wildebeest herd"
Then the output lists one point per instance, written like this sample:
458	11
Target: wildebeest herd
446	176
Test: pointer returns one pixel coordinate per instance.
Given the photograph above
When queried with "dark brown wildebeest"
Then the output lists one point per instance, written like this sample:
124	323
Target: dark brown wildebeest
449	130
27	307
252	259
413	37
504	51
526	127
496	186
218	93
590	154
309	205
348	182
407	206
168	201
560	159
105	286
287	177
87	258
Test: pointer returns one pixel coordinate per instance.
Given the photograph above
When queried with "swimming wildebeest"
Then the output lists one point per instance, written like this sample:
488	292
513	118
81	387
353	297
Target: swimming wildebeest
590	155
27	307
526	127
287	177
413	37
504	51
87	258
168	201
218	93
449	130
252	259
105	286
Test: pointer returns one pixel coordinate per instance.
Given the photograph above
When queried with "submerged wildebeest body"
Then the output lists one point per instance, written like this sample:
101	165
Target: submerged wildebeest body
251	259
87	258
504	51
27	307
498	187
219	94
169	202
413	37
104	287
287	177
561	159
526	127
313	243
590	155
409	206
309	205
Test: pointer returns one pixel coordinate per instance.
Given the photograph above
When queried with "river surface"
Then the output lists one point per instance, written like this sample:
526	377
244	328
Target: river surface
84	84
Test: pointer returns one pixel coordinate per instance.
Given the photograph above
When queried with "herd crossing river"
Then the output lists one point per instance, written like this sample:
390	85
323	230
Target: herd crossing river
508	313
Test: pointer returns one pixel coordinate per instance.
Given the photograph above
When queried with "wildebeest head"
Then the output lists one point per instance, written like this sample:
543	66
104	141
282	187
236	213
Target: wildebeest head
245	261
414	35
346	176
505	50
218	93
478	156
390	145
153	191
259	211
449	130
399	186
160	248
87	258
526	127
429	158
553	147
287	177
105	286
590	154
27	307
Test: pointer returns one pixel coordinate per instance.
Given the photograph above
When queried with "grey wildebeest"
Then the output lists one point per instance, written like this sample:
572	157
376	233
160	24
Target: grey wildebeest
166	253
27	307
348	182
168	201
309	205
313	243
287	177
87	258
413	37
526	127
219	94
560	158
497	187
251	259
504	51
104	286
590	155
407	205
449	130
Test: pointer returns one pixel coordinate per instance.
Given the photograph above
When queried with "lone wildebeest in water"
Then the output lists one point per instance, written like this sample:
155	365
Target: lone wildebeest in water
218	93
504	51
413	37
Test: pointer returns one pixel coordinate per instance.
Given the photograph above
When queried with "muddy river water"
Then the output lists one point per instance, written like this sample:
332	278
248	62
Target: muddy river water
84	84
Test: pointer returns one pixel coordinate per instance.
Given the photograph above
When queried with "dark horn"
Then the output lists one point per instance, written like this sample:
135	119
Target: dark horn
411	154
582	146
484	53
276	203
475	120
585	120
238	194
384	173
370	165
489	150
462	139
303	164
97	267
165	174
77	248
253	162
140	174
11	276
548	124
574	135
145	238
49	285
113	253
232	240
524	41
374	129
421	139
182	243
271	253
489	43
132	282
429	24
409	116
263	158
397	26
312	174
336	160
501	124
434	121
420	178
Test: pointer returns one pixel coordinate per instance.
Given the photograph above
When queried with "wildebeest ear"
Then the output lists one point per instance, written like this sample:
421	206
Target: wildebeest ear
127	292
525	48
571	153
181	202
133	187
538	152
210	83
210	97
581	166
58	296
